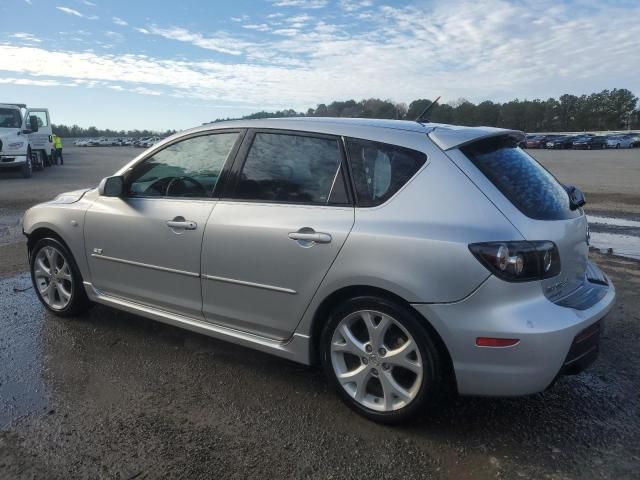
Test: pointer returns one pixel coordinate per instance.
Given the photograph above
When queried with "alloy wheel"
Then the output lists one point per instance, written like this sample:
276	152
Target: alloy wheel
53	278
376	360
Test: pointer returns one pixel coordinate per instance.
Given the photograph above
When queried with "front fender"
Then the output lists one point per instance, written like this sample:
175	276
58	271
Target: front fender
67	222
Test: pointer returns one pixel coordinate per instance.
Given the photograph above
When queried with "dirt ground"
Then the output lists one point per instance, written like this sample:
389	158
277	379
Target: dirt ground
111	395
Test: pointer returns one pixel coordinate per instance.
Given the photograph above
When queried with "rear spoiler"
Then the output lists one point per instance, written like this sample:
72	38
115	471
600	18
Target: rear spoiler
448	137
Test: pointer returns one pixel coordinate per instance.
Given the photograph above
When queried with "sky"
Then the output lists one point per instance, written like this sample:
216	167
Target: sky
175	64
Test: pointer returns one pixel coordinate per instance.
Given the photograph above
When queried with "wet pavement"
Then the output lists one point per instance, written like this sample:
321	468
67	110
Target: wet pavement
620	236
112	395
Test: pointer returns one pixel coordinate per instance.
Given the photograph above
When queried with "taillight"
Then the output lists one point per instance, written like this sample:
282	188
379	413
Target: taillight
519	261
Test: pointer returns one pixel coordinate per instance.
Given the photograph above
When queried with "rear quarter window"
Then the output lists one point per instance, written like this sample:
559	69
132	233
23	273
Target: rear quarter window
379	170
520	178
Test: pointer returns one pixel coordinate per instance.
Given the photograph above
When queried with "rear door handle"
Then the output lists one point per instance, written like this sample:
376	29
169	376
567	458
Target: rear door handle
316	237
182	224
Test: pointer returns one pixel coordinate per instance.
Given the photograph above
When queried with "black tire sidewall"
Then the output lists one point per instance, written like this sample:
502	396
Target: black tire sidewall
79	300
431	387
27	168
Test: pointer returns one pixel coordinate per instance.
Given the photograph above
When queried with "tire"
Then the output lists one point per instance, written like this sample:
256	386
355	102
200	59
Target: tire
67	297
27	169
381	391
39	163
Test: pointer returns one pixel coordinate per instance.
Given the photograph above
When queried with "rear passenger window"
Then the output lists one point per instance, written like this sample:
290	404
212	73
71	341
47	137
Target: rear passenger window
380	170
290	169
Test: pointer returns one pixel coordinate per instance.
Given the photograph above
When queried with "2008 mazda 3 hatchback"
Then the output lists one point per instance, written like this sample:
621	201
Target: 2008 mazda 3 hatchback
402	256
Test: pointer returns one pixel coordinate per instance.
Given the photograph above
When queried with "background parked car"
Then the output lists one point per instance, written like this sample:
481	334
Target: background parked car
590	142
620	141
536	141
560	142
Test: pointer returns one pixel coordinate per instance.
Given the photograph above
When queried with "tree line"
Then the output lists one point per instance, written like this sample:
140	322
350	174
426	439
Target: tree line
76	131
615	109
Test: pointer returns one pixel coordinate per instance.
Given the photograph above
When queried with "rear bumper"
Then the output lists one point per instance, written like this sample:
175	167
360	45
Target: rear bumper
548	337
10	161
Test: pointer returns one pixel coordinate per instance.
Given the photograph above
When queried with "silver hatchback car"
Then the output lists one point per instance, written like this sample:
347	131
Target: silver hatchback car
403	257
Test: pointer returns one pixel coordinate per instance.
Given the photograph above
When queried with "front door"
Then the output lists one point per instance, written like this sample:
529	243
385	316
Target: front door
145	247
40	140
269	245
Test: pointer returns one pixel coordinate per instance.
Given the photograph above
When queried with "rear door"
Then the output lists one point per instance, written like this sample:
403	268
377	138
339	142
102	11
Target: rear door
269	243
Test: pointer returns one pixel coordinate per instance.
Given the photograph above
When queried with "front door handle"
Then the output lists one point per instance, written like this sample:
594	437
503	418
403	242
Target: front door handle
310	236
179	223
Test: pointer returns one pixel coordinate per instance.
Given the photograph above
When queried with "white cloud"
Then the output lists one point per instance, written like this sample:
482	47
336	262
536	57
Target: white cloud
221	43
301	3
70	11
260	27
27	37
353	5
119	21
455	49
76	13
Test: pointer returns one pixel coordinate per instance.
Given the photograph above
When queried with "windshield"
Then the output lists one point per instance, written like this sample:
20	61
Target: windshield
10	118
520	178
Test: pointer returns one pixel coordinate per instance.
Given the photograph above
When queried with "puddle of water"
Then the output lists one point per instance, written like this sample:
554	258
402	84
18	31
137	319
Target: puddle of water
618	222
10	227
22	390
624	245
619	234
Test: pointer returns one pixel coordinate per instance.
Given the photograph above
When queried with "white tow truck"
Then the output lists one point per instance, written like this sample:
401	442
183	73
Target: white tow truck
25	138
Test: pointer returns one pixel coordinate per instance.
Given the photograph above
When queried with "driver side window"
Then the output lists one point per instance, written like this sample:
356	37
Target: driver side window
189	168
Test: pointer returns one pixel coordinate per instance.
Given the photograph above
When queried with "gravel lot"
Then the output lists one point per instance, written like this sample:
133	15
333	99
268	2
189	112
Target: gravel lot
111	395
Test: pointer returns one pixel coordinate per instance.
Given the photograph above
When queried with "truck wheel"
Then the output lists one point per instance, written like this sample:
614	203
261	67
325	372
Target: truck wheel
36	159
27	169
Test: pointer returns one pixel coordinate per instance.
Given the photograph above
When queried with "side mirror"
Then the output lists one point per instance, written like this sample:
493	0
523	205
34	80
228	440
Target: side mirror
111	187
576	197
33	123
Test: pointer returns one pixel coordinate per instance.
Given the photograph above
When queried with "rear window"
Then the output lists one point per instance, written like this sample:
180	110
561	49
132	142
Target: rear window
520	178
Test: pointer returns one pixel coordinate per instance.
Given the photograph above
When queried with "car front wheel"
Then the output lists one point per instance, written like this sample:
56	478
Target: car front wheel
381	359
56	278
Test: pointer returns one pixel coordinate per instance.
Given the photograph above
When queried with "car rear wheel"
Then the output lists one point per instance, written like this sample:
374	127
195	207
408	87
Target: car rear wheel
56	278
381	360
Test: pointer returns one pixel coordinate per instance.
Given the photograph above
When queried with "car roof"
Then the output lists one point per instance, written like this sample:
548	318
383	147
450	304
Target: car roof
443	135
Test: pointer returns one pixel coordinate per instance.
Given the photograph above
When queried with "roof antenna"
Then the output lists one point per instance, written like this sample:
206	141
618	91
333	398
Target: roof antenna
422	118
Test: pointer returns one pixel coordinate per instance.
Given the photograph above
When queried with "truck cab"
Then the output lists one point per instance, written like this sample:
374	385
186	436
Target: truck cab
25	138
